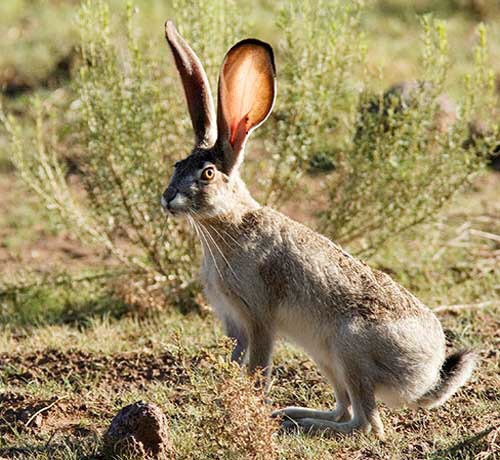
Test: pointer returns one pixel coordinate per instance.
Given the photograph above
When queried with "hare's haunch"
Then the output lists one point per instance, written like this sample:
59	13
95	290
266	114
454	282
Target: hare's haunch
267	275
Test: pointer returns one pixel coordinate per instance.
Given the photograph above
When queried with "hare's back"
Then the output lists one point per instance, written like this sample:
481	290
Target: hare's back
300	265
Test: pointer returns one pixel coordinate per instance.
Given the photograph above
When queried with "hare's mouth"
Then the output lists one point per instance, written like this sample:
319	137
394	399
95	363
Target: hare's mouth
175	206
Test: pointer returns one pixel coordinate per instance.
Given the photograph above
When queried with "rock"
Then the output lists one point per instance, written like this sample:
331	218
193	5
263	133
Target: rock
140	429
402	96
478	131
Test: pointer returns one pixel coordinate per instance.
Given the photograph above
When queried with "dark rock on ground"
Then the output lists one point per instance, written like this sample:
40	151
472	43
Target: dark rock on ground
140	429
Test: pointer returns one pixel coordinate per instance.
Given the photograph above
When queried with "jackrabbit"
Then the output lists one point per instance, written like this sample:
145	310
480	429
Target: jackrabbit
267	275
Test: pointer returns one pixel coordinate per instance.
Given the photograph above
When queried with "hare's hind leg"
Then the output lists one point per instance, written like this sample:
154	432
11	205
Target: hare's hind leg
341	413
365	416
362	420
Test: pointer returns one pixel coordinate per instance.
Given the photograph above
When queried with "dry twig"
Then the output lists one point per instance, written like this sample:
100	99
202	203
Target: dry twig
43	409
468	306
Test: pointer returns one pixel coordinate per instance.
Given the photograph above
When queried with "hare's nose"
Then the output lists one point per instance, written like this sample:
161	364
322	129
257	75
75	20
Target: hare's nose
170	193
168	196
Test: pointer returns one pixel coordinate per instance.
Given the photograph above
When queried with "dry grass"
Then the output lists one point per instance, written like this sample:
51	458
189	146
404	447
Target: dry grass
181	365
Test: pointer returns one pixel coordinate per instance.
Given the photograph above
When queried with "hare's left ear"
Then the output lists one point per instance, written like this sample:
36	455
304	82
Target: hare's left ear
247	88
196	88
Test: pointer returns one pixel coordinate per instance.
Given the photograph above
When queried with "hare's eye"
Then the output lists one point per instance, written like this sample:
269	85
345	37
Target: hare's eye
208	173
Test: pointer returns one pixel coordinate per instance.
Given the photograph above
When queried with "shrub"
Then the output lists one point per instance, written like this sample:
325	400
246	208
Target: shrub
235	422
386	180
33	52
129	124
128	127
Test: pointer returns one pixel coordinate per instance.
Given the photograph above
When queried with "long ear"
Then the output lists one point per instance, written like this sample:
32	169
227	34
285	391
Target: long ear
247	87
196	88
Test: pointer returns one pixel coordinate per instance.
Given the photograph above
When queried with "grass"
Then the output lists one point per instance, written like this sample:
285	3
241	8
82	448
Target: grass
90	349
176	362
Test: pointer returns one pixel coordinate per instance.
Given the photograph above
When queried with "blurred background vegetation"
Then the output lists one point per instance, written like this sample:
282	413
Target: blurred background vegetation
385	111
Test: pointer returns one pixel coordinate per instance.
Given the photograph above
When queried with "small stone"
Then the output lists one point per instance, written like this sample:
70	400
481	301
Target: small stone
140	429
37	421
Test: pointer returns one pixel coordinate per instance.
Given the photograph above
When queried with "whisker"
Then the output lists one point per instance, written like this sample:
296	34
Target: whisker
216	231
191	224
213	228
195	227
204	238
228	234
220	251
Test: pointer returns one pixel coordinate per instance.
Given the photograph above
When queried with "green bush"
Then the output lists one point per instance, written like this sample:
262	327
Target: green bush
129	124
386	180
31	48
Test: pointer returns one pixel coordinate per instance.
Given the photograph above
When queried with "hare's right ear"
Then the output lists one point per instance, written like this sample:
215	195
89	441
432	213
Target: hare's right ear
247	90
196	88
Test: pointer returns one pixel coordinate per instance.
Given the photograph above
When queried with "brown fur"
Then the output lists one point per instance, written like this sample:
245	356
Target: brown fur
267	276
294	252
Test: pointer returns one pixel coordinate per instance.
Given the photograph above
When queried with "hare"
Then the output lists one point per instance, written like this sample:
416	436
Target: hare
267	276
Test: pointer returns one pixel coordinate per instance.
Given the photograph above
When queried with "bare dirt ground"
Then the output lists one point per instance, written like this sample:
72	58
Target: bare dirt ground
84	415
22	412
30	243
75	366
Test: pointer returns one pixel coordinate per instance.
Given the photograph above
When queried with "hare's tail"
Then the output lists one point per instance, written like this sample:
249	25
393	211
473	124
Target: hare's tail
456	370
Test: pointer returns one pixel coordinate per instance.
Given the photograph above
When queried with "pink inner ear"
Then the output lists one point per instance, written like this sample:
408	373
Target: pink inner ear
238	132
246	90
233	133
238	128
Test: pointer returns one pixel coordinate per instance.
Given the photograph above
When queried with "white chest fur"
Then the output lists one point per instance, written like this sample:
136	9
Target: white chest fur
219	297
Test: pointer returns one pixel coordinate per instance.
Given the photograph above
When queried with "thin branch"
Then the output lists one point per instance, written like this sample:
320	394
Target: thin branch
130	212
57	281
488	235
467	306
44	409
426	216
456	241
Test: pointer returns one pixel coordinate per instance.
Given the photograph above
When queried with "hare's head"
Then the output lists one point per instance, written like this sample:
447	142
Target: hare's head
207	182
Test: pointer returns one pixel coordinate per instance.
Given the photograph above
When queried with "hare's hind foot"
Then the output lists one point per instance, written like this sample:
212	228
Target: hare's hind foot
365	416
339	414
322	426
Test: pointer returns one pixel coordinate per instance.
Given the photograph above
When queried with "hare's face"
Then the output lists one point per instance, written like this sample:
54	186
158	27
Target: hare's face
198	187
207	182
